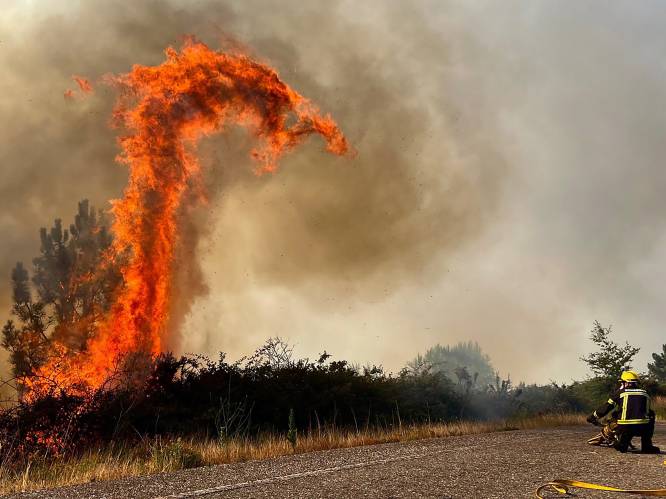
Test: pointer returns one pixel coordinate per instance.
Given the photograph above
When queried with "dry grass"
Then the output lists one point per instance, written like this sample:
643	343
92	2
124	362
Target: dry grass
161	455
659	407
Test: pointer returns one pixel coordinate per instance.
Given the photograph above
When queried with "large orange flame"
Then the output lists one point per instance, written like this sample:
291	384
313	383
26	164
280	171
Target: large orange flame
166	110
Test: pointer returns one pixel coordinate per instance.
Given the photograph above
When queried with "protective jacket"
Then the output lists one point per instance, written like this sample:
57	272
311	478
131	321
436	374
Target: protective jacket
631	405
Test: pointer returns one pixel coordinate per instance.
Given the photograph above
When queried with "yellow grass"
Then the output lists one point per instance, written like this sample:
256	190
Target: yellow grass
659	406
161	455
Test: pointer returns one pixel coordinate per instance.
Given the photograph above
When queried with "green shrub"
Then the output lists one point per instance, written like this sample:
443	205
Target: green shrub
173	455
292	434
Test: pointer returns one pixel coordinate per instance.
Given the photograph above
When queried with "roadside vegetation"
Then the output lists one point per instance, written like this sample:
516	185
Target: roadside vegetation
195	412
163	454
168	413
659	407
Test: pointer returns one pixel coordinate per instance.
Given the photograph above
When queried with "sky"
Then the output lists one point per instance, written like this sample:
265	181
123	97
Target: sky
507	187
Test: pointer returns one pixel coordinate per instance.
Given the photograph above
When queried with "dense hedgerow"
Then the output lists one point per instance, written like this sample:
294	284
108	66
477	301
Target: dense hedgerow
197	397
194	396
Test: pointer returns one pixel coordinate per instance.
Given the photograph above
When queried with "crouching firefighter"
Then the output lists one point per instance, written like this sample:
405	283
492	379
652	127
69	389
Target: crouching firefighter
630	405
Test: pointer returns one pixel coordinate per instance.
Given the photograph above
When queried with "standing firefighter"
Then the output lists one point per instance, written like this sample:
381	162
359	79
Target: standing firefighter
630	405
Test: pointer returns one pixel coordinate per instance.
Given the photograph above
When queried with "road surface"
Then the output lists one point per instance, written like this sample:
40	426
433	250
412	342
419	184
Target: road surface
496	465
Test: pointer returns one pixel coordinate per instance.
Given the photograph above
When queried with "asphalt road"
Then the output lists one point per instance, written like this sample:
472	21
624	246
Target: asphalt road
496	465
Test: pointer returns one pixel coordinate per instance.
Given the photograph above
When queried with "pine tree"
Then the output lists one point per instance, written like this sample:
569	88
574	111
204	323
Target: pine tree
27	343
70	290
465	360
611	358
657	369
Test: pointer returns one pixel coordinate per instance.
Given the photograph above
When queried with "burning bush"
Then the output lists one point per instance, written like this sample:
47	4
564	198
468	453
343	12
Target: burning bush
191	396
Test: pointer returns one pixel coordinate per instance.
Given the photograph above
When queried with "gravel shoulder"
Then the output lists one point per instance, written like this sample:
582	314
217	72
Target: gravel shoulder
494	465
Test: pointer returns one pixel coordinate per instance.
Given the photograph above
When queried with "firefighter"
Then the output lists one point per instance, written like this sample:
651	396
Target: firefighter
631	406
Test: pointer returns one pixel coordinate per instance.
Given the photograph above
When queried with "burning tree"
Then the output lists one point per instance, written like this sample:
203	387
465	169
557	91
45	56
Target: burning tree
69	293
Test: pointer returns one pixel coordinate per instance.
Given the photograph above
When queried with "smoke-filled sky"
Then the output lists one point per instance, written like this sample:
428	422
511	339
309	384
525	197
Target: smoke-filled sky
507	188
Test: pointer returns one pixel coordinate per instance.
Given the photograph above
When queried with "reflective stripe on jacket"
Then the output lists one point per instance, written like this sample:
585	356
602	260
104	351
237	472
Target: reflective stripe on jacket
635	405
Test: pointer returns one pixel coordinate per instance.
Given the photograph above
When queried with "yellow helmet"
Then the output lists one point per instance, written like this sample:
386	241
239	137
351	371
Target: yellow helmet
629	376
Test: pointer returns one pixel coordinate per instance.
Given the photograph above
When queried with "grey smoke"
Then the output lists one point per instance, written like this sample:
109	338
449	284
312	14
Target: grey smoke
507	187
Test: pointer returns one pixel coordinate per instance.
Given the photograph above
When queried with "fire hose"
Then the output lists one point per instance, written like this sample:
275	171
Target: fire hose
561	486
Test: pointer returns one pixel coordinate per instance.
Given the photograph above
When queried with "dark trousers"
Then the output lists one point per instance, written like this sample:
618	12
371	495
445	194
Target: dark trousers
627	432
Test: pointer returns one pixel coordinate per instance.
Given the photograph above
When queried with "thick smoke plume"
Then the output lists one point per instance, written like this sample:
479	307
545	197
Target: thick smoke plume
508	186
322	239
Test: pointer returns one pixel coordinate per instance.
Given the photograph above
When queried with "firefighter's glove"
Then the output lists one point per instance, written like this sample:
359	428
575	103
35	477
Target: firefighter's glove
592	419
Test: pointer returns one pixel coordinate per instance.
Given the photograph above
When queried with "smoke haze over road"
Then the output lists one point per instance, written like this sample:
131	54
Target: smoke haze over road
507	187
